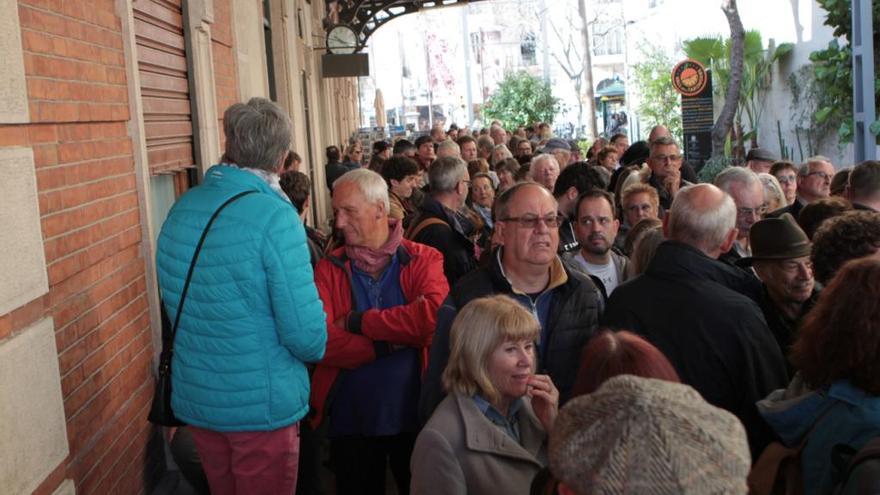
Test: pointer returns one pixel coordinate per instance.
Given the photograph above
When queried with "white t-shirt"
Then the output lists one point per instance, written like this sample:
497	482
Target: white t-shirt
606	273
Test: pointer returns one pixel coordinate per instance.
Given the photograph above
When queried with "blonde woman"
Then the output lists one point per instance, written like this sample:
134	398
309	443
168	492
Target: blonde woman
773	195
489	434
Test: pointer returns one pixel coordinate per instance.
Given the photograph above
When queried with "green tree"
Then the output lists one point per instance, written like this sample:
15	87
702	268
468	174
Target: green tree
521	100
832	71
659	103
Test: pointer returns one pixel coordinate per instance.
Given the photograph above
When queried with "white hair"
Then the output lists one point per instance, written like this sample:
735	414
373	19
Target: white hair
371	185
773	194
702	226
736	175
448	148
543	157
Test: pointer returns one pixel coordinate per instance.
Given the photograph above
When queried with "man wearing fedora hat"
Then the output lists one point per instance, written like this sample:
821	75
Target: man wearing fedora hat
781	259
759	160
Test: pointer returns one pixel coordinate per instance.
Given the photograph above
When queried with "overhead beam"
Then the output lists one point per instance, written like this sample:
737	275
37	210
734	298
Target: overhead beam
366	16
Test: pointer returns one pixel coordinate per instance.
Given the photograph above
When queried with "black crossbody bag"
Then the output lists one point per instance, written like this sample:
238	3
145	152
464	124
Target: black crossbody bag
160	411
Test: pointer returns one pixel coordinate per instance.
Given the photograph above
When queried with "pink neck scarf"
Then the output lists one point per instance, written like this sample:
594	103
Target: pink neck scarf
373	261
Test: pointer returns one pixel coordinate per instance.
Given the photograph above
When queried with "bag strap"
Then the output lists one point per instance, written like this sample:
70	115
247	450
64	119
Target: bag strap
192	264
422	225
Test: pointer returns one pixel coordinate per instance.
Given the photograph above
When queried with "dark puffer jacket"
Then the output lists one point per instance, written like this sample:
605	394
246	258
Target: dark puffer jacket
573	317
447	237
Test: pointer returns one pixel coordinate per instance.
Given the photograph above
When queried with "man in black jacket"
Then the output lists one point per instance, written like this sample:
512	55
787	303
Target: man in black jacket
525	267
702	312
781	259
438	224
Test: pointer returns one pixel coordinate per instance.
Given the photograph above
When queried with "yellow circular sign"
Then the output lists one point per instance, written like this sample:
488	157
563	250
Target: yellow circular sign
689	77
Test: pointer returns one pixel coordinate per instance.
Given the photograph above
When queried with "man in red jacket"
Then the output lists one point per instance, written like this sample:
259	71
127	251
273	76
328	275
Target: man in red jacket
381	294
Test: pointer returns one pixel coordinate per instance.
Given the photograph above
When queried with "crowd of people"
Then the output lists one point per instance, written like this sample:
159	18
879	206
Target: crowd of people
499	311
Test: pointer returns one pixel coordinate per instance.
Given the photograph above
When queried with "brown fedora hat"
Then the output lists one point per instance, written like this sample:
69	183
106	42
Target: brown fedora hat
776	239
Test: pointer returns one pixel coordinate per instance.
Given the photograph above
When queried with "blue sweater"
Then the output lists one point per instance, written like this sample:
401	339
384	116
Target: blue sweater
252	315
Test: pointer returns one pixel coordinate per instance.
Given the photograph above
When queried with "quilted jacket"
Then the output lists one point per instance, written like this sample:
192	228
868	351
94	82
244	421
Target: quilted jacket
252	315
369	334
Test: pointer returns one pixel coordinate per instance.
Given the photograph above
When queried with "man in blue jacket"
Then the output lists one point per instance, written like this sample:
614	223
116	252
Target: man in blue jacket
251	317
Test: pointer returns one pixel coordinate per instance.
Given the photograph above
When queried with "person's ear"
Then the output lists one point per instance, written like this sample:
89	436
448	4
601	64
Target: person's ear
728	242
279	167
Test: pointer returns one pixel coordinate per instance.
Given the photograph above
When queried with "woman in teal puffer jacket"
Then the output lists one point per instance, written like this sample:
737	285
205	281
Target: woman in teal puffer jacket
251	317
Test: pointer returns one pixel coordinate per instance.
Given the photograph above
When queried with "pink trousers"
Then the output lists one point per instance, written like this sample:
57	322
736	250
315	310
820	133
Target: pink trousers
259	462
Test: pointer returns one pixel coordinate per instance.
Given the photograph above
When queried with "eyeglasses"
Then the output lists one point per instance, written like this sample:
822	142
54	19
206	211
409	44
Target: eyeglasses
665	158
467	183
531	221
589	221
752	211
821	175
786	179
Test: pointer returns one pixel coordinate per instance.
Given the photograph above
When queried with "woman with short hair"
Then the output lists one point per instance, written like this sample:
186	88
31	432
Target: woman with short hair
489	434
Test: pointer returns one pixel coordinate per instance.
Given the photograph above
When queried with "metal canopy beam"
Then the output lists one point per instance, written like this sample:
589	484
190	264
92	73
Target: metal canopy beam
366	16
864	104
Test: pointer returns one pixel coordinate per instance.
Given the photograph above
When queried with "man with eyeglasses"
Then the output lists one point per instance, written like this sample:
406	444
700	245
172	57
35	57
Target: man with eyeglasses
438	225
747	192
813	182
596	227
665	163
525	267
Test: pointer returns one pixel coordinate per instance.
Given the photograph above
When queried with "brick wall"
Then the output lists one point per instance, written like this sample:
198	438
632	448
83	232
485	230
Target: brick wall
76	82
225	79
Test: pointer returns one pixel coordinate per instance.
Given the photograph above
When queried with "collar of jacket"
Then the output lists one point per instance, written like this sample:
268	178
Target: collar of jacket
558	274
678	260
792	412
231	177
433	208
483	436
341	260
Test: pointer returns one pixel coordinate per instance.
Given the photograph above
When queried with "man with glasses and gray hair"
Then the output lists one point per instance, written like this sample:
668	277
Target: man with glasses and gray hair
813	182
747	192
438	224
665	163
525	267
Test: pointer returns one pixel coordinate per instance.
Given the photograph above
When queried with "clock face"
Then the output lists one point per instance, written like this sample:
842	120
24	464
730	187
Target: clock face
341	39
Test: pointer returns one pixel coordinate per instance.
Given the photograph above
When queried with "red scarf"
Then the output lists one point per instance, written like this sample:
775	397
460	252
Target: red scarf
373	261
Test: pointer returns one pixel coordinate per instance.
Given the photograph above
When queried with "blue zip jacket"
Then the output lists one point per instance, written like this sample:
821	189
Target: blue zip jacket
837	414
252	315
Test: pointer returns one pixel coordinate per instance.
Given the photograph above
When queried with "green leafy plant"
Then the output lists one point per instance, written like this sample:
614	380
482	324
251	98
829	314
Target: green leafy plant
713	167
714	53
832	71
521	100
659	103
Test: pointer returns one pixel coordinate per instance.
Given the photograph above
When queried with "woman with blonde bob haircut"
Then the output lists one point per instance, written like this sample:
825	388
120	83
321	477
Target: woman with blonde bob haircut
489	435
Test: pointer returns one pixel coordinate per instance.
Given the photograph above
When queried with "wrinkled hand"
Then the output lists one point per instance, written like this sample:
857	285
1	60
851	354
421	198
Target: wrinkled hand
545	399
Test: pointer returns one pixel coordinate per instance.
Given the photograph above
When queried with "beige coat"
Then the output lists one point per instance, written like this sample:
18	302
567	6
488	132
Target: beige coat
460	452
